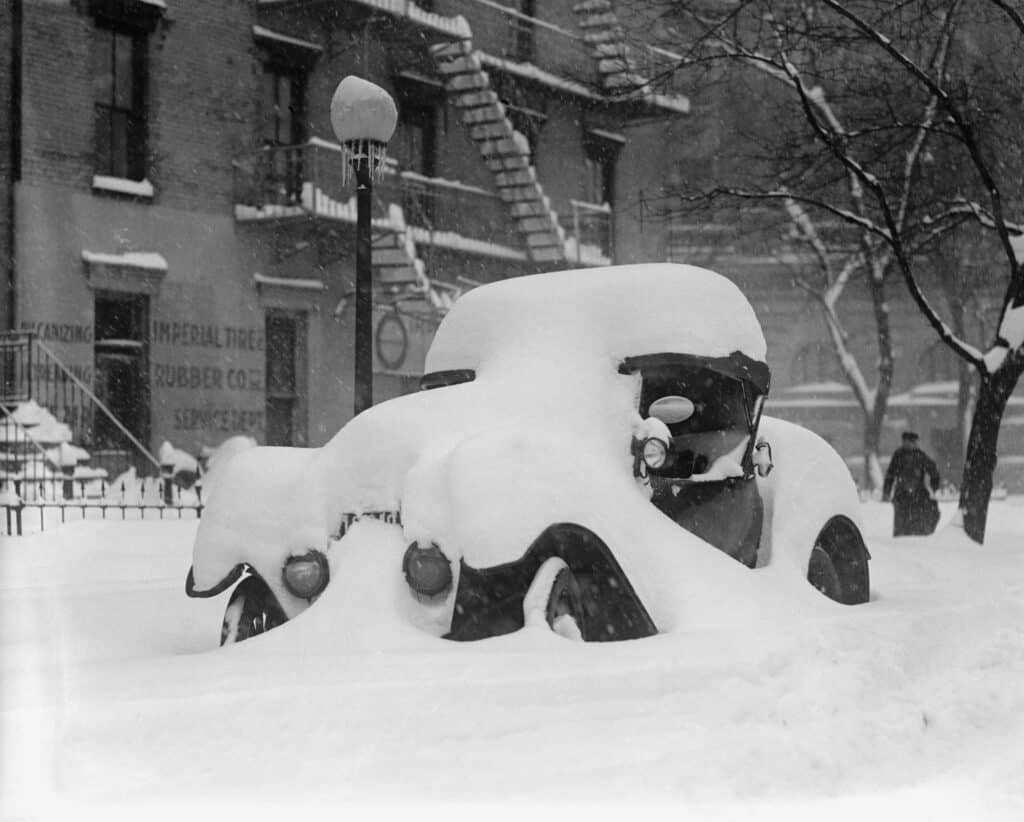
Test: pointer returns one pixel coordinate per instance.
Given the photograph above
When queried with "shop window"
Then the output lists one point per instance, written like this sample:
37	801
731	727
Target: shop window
119	98
815	362
286	378
120	344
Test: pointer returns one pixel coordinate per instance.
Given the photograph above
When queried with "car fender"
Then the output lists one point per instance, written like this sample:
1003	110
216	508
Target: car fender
808	486
264	507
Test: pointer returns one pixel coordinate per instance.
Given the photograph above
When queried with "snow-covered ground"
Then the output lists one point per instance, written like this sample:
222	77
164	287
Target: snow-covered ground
117	701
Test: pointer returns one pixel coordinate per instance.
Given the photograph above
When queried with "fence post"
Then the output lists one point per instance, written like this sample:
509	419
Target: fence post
576	231
69	483
16	510
167	483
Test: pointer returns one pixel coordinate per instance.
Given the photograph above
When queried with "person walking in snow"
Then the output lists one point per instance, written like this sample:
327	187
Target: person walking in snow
910	483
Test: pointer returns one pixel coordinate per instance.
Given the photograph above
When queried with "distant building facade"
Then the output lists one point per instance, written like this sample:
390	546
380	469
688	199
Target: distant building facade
176	229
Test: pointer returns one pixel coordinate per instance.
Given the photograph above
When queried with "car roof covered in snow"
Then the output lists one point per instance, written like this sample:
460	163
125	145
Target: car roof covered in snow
615	312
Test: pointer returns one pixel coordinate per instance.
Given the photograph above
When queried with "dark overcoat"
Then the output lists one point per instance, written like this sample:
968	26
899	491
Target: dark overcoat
909	482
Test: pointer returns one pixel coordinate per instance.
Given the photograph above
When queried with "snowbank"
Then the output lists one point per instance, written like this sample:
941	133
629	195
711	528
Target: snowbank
117	701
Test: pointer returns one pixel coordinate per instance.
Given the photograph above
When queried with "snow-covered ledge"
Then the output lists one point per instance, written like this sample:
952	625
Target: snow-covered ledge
286	40
456	27
136	271
119	185
289	292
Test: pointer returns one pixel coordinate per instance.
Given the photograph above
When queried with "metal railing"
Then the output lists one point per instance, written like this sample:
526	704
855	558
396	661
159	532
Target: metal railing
30	505
31	371
508	33
46	481
281	181
590	230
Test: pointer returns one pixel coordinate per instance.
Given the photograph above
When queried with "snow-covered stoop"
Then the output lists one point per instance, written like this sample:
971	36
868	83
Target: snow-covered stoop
504	150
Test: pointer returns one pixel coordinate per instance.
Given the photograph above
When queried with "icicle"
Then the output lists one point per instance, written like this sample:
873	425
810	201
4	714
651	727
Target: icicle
362	151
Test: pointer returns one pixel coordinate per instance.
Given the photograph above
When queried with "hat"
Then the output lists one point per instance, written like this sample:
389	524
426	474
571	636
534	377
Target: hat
910	436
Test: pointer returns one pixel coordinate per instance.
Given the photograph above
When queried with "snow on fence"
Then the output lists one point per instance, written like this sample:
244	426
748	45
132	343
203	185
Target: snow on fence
38	504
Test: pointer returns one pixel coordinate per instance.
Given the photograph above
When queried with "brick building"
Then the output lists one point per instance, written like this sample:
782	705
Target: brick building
184	243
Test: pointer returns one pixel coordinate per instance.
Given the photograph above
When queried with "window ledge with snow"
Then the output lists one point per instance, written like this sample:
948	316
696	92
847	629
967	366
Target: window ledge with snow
119	185
288	292
134	271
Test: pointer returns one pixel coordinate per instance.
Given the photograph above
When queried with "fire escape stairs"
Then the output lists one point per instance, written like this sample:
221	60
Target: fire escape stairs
398	269
504	151
607	43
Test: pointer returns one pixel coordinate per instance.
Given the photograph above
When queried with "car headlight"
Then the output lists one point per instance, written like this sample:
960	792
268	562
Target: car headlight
306	576
654	452
427	570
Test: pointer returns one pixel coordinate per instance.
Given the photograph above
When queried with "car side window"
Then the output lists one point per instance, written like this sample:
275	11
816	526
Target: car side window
440	379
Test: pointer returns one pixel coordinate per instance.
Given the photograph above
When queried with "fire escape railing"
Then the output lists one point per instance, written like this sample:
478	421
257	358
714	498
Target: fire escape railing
284	181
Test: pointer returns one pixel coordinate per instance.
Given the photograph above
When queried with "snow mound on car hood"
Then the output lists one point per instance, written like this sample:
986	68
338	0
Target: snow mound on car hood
616	311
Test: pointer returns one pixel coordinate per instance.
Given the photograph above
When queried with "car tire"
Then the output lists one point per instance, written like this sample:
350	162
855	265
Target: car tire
822	574
555	597
253	609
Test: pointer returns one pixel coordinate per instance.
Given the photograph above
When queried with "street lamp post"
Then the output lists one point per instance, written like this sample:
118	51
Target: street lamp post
363	116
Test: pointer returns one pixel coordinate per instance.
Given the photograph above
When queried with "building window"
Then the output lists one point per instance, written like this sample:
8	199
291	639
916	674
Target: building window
119	99
600	151
416	150
417	138
283	105
286	378
528	123
284	93
522	30
815	362
525	107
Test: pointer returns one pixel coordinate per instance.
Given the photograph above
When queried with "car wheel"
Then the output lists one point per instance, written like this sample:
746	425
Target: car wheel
253	609
822	574
555	597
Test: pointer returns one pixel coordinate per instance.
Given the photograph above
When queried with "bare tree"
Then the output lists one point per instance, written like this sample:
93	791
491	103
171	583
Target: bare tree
864	93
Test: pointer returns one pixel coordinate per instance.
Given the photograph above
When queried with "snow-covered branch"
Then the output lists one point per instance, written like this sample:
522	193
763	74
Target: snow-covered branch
962	122
784	194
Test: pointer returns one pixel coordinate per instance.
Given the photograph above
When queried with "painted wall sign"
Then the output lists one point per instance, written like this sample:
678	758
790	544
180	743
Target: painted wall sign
206	377
48	372
218	420
60	332
193	335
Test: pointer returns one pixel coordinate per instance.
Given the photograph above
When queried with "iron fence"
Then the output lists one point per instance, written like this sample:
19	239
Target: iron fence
31	373
31	505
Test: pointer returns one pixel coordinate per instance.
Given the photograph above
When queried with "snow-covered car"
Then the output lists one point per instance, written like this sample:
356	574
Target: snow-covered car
581	440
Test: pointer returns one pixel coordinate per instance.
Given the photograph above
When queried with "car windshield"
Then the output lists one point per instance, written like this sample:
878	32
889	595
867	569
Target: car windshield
719	402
